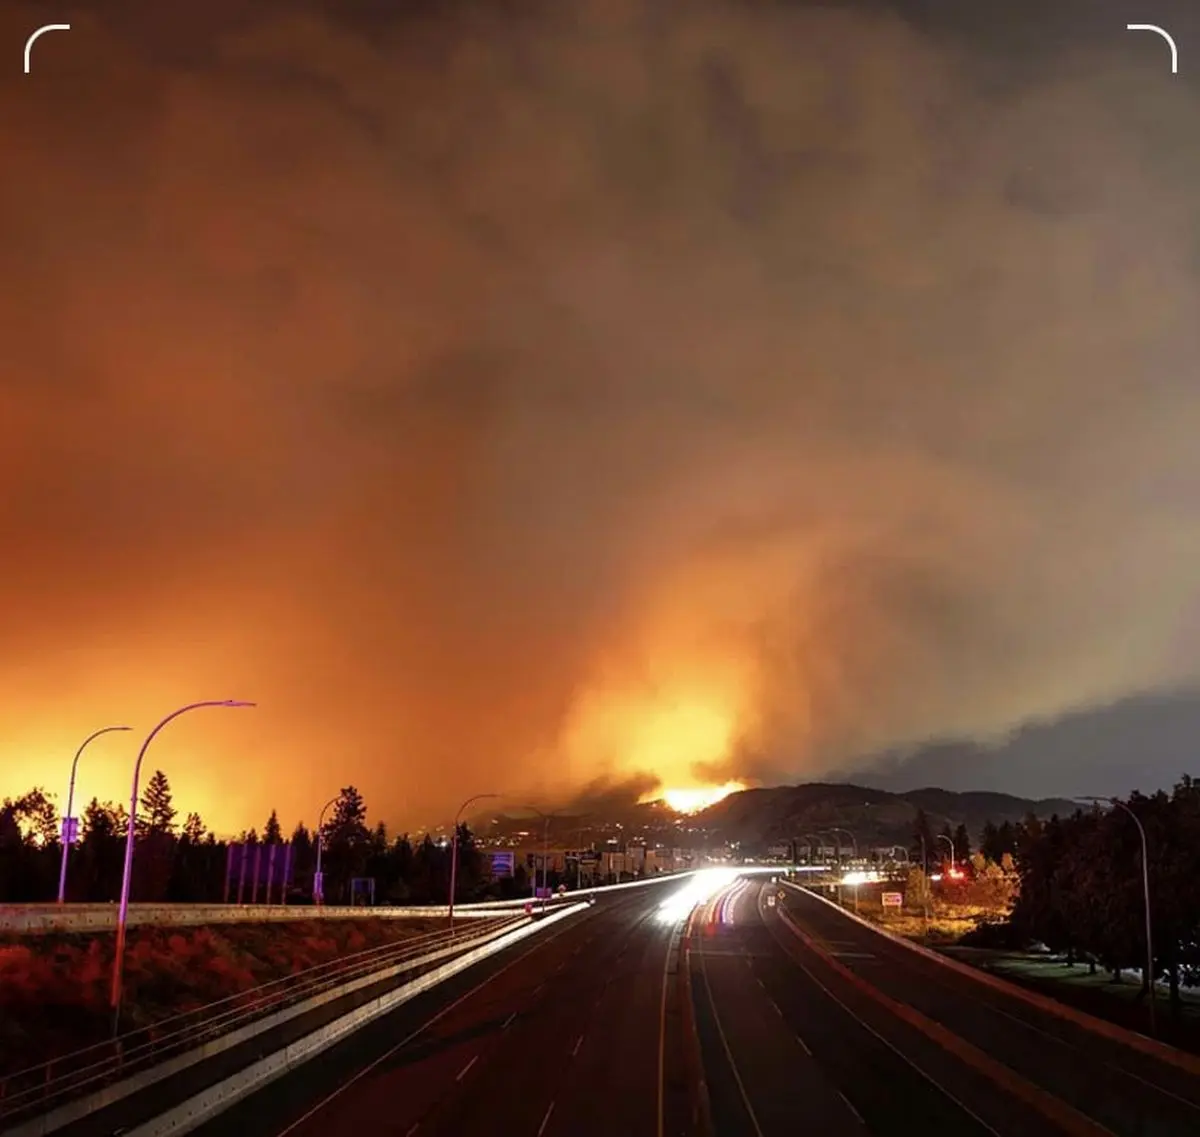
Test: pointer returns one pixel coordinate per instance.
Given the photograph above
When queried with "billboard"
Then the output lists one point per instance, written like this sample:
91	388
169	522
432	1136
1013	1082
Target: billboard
502	862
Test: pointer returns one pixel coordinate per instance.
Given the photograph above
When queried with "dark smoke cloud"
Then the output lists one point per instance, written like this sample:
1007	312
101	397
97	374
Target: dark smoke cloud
509	402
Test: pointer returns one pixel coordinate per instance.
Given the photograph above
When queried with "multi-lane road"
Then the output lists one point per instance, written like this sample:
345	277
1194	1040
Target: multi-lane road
785	1017
810	1022
563	1035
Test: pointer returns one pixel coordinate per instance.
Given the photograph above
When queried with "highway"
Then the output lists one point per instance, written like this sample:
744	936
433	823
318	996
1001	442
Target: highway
809	1022
801	1021
558	1037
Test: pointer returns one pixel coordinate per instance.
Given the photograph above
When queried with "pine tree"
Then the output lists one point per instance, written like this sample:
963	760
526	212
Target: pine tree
193	829
348	826
98	822
156	804
272	833
962	845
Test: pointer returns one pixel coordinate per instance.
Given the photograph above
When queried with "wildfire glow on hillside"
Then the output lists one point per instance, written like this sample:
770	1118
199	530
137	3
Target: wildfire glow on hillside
696	798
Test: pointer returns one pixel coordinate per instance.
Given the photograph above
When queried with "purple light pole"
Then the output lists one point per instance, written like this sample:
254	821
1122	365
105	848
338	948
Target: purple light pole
318	879
123	911
66	844
454	852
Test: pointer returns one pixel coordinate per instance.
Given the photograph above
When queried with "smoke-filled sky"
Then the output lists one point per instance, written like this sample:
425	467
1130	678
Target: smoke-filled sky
517	396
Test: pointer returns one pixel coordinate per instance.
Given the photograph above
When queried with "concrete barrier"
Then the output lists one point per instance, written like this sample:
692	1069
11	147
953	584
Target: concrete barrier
1102	1027
79	1107
40	918
207	1104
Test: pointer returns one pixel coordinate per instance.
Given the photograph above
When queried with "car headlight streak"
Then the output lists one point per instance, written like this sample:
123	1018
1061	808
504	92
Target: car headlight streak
700	888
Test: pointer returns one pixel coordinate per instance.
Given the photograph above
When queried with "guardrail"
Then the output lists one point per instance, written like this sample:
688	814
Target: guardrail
34	918
40	1088
25	919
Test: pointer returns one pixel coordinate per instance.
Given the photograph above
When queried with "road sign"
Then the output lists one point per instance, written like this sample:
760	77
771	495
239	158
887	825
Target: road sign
70	830
893	899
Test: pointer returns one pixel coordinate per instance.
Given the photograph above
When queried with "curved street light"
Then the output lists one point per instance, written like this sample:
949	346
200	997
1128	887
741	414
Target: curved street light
123	911
853	840
66	844
454	852
318	879
950	842
545	851
1145	896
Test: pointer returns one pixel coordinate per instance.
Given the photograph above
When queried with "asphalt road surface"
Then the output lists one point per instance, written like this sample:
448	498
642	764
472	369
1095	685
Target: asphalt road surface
557	1037
811	1023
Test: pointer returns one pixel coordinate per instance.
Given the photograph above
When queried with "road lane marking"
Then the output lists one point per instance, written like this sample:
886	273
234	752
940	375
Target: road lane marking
545	1120
538	988
375	1063
662	1043
776	1006
463	1072
578	1044
508	1021
733	1068
866	1025
1066	1116
1014	991
940	975
850	1106
415	1126
804	1046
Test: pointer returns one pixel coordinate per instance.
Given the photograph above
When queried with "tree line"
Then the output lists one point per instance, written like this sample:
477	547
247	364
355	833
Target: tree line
1079	884
184	862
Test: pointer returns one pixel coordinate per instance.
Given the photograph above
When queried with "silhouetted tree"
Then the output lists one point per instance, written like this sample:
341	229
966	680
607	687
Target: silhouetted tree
157	813
272	833
193	829
962	846
923	842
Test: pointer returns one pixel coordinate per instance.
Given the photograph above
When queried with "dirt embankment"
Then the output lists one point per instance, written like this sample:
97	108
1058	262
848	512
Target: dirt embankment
54	989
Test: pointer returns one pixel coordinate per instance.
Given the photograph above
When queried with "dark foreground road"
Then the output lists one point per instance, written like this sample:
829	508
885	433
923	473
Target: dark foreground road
558	1037
810	1022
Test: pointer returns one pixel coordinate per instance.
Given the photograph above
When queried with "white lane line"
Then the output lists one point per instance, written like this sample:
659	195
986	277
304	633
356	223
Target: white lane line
375	1063
850	1106
804	1046
737	1077
538	988
545	1120
578	1044
415	1126
508	1021
776	1006
872	1031
463	1072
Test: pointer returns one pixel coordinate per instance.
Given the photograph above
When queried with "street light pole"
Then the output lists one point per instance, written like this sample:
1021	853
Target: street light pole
66	844
1145	899
454	852
949	841
318	879
545	851
123	911
853	840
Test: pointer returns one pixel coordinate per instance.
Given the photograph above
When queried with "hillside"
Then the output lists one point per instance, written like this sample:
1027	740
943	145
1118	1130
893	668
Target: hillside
761	817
